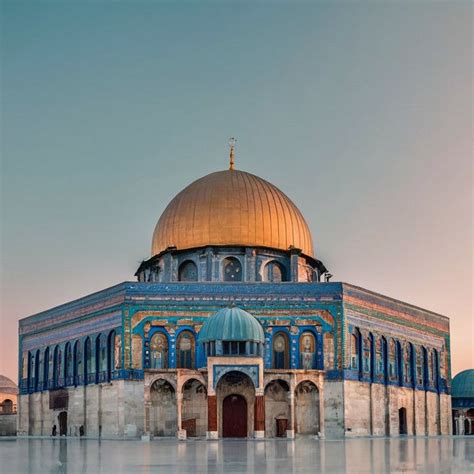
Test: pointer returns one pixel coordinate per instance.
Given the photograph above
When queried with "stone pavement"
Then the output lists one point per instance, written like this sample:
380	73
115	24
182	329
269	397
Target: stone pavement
364	455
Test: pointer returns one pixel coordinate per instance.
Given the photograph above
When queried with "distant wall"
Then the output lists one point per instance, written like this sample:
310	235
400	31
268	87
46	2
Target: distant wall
373	409
8	425
112	410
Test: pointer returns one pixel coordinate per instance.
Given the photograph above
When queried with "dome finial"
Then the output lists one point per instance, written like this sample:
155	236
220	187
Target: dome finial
232	142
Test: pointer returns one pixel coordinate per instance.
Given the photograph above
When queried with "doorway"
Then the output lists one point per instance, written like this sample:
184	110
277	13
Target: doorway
281	427
234	417
402	421
63	423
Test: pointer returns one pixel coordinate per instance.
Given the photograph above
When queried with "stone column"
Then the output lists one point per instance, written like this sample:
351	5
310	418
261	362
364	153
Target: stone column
322	434
259	416
461	422
179	407
147	422
290	432
212	432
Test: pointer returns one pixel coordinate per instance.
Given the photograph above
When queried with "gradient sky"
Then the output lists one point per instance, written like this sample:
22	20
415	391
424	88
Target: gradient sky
360	112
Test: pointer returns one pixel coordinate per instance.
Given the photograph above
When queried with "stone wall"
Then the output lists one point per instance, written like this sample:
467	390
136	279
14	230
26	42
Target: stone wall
375	409
112	410
357	401
334	409
195	406
277	406
446	420
8	425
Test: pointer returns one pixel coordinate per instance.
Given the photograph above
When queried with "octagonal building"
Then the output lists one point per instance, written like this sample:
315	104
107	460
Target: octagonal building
233	329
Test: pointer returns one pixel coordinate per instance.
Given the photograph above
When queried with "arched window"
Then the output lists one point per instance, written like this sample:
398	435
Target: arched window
281	359
78	365
385	358
307	351
101	357
232	269
275	272
366	350
356	350
432	367
117	352
399	363
159	351
436	369
25	363
31	369
46	364
68	364
88	360
185	350
188	271
57	367
406	364
419	365
372	357
379	357
7	406
425	367
412	364
110	354
37	369
392	360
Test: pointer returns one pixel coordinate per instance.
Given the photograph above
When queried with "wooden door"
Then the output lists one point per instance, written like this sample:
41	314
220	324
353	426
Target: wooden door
282	425
190	427
234	417
63	423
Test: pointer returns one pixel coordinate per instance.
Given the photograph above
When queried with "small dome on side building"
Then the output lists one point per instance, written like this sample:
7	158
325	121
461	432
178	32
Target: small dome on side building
232	324
463	384
232	332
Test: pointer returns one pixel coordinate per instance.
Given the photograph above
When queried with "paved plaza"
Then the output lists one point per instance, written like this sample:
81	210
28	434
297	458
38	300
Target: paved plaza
406	455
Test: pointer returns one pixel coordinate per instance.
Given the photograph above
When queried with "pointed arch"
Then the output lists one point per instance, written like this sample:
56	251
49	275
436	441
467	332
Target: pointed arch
275	272
159	351
399	363
78	371
57	363
68	365
110	354
37	369
308	350
281	351
46	365
188	271
88	360
185	350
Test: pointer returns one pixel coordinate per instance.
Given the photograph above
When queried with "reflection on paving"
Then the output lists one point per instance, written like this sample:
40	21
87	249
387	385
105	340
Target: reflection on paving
408	455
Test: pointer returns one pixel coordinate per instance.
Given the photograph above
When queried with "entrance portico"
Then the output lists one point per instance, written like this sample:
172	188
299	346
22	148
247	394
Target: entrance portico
233	395
240	377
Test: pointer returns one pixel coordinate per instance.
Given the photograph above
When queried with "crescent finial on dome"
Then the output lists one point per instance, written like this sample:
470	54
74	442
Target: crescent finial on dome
232	142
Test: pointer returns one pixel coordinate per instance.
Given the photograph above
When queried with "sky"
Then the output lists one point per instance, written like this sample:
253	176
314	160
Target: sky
361	112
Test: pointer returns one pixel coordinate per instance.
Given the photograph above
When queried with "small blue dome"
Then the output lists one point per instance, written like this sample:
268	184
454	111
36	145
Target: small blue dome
232	324
463	384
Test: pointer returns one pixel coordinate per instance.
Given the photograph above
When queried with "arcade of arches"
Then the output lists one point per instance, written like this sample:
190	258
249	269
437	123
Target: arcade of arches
463	421
185	405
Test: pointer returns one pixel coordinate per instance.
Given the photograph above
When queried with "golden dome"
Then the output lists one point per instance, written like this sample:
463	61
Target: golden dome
231	208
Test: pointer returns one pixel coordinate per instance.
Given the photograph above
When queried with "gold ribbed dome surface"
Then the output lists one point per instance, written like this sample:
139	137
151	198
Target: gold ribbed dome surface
231	208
